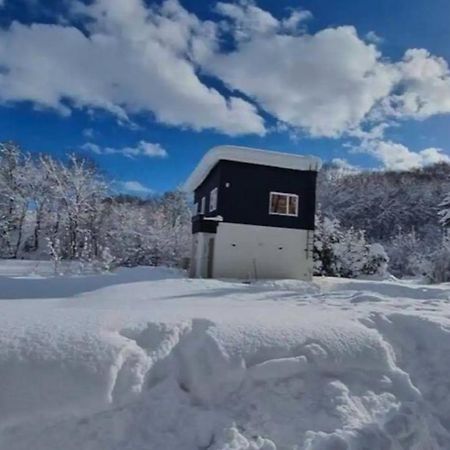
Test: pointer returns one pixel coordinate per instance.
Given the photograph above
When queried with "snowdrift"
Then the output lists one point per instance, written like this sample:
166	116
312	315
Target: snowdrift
176	364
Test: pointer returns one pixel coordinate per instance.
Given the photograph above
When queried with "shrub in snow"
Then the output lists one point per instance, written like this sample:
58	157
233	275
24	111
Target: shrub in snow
326	235
409	255
345	253
351	253
377	260
437	269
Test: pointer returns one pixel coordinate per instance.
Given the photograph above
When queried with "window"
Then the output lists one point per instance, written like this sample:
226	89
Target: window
202	206
195	209
213	200
283	204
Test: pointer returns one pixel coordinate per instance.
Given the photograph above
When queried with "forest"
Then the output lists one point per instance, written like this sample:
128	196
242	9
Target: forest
367	223
401	217
67	210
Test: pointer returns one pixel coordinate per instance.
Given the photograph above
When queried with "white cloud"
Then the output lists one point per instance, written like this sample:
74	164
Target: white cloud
395	156
247	18
143	148
324	83
424	88
135	187
147	59
297	17
341	163
330	83
134	59
373	37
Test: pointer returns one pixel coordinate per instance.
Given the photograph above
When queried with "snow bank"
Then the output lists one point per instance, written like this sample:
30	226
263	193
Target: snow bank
173	364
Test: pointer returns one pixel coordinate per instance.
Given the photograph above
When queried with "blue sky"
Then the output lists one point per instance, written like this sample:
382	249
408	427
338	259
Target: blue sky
146	89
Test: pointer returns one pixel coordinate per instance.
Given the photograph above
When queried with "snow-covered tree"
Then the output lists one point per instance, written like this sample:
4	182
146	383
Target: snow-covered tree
444	211
78	193
63	210
15	196
345	252
326	235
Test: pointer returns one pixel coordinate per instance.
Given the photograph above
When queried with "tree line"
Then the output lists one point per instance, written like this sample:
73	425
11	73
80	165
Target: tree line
406	212
66	210
367	223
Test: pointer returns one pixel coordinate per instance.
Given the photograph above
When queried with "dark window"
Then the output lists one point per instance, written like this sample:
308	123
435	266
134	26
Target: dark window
213	200
283	204
202	206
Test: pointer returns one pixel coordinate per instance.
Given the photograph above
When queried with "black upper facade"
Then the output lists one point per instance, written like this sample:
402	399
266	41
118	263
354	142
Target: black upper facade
243	196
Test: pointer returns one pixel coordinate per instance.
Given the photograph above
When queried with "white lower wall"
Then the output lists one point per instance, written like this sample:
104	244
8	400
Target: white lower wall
200	255
261	252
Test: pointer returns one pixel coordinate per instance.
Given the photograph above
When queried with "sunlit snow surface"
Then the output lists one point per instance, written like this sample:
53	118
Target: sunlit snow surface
147	359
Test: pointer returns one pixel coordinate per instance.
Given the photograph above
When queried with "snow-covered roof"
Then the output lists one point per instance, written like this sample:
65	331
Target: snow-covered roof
248	155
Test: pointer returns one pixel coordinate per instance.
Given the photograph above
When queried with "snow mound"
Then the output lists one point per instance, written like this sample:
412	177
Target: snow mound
176	364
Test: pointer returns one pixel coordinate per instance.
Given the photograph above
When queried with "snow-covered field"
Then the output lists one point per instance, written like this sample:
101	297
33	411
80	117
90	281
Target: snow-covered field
147	359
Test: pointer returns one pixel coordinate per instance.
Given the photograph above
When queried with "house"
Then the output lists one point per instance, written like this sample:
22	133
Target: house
253	214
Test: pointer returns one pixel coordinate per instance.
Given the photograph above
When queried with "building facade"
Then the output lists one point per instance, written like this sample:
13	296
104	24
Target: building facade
253	214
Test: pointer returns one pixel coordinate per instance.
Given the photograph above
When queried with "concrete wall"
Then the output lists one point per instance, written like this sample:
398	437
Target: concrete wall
258	252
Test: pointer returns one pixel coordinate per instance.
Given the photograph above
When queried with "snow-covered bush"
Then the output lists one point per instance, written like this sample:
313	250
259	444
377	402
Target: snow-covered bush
377	260
437	269
351	253
326	235
345	253
409	255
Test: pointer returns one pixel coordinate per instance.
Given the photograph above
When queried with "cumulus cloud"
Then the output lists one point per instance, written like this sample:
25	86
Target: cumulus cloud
330	83
132	59
135	187
143	148
324	83
248	20
395	156
297	17
341	163
373	37
424	86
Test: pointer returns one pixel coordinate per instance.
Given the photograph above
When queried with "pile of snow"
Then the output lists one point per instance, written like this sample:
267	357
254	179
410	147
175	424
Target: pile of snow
176	364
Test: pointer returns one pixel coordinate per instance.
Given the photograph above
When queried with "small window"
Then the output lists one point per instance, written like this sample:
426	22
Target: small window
195	209
202	206
213	200
283	204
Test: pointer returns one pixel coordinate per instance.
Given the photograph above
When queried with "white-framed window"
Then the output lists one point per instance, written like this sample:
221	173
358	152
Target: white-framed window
283	204
202	206
213	200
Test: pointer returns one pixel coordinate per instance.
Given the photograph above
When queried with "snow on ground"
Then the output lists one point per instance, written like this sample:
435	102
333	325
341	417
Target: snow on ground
147	359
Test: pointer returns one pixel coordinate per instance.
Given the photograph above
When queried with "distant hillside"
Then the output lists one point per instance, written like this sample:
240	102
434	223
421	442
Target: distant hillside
382	203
